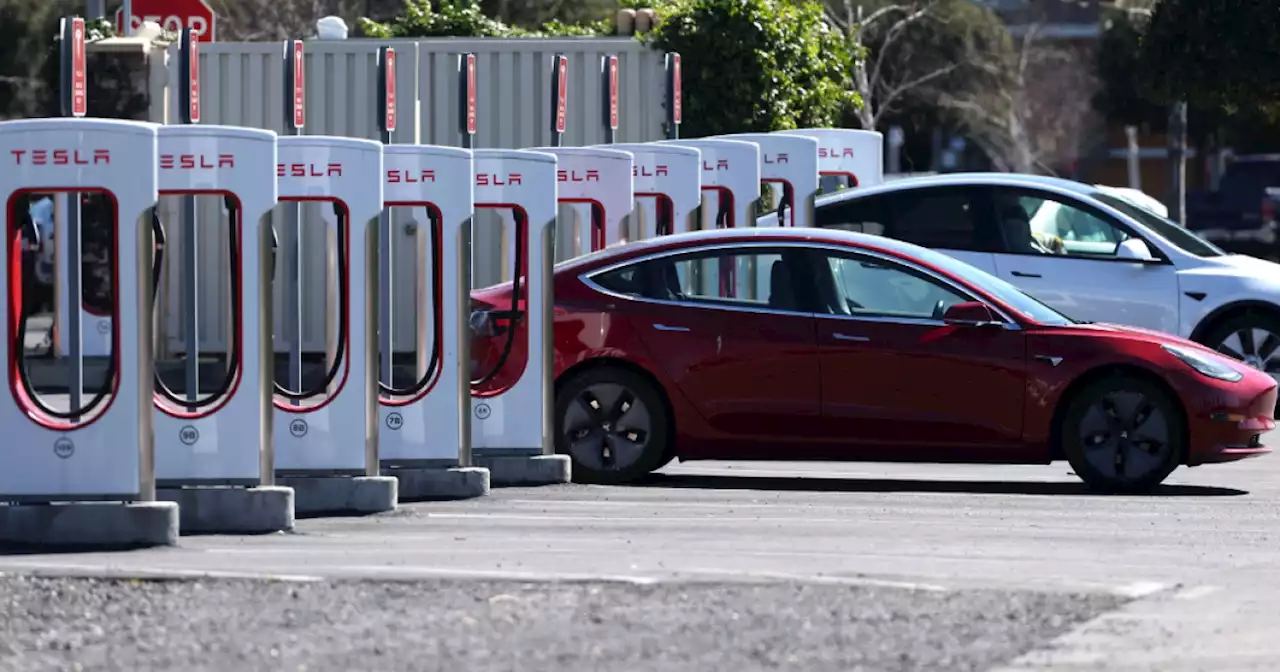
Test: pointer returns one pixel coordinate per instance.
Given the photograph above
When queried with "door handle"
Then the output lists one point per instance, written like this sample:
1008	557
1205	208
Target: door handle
1020	274
846	337
665	327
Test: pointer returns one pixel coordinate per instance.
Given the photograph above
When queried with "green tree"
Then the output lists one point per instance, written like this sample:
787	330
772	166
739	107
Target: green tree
756	65
1214	52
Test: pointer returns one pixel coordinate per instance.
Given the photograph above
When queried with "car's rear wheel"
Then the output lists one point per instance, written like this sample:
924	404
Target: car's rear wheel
612	423
1123	434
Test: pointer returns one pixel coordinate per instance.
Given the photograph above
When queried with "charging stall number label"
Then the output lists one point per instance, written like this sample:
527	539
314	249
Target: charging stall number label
394	421
64	448
298	427
483	411
188	435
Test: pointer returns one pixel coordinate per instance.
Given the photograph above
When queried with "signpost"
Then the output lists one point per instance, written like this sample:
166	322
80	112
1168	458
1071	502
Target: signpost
609	75
674	105
295	118
559	97
387	126
75	103
467	98
189	112
173	15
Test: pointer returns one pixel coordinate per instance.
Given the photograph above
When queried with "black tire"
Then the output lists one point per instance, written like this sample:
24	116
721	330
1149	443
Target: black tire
1242	337
627	438
1128	450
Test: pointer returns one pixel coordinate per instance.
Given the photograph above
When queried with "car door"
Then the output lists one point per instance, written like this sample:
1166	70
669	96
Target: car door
1063	252
899	383
949	219
744	356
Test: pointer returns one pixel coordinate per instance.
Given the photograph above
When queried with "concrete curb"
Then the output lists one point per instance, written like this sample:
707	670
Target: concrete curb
532	470
231	510
339	495
423	485
89	525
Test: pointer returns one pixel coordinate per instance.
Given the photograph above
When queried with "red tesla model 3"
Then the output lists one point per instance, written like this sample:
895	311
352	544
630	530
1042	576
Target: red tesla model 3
811	344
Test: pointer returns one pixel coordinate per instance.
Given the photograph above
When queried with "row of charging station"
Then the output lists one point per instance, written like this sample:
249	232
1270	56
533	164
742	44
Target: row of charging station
136	433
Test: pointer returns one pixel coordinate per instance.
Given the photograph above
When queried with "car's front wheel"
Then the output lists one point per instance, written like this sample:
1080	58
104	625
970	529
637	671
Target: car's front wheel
1252	337
1123	434
612	423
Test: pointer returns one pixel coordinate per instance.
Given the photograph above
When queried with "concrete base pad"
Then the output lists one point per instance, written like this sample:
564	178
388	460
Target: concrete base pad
418	485
507	471
315	495
232	510
89	525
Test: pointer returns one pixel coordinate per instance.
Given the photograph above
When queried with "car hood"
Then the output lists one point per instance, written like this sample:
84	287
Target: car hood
1136	334
1237	265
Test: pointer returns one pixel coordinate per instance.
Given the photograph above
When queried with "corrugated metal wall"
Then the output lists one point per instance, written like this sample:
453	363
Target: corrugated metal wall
242	85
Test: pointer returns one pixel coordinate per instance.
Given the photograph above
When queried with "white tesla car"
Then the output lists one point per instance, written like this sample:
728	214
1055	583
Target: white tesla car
1083	250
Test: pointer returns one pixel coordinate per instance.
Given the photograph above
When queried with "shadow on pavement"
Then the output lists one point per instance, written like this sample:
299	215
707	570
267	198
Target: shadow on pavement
820	484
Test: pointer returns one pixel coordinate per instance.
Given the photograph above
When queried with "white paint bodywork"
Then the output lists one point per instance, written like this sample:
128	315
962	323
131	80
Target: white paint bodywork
230	441
433	427
341	434
517	420
110	455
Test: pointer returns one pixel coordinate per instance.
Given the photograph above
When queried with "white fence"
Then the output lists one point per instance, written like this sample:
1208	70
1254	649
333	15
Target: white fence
242	84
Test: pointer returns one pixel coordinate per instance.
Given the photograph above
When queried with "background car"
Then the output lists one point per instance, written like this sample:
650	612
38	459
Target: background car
1084	251
810	344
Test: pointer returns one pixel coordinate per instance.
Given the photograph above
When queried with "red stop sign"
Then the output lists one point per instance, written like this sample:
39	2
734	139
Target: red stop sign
173	15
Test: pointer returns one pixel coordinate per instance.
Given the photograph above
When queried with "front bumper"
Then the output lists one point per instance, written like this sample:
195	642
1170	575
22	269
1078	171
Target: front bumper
1230	434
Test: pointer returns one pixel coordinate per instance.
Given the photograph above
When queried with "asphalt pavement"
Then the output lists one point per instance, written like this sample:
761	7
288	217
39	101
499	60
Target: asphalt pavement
712	566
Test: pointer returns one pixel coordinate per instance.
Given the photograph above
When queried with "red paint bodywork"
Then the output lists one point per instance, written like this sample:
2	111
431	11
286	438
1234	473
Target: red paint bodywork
780	388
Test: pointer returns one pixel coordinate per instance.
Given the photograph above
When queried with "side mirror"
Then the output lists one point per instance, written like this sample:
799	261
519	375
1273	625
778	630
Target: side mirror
1134	249
972	313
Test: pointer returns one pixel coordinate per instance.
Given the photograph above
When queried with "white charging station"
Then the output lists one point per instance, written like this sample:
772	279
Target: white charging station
224	440
596	182
331	434
104	452
511	430
789	165
427	426
854	156
667	180
730	168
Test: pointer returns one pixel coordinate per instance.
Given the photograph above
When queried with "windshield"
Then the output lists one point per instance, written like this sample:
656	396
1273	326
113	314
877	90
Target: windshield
1165	228
1015	298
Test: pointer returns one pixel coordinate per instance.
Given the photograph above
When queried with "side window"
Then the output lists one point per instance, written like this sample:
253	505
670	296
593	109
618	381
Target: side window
626	280
1034	223
940	218
759	278
865	286
861	215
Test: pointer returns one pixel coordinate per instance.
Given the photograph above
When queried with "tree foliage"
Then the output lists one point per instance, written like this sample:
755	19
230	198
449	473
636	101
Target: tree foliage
1214	52
756	65
466	18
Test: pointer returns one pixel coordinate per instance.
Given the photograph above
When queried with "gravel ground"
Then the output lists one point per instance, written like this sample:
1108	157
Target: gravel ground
60	624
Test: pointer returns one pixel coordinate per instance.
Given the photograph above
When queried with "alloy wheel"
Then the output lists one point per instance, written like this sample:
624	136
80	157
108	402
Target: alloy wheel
607	427
1125	435
1256	347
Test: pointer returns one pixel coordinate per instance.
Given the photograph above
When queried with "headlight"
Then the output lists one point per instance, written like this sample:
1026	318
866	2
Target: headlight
1204	364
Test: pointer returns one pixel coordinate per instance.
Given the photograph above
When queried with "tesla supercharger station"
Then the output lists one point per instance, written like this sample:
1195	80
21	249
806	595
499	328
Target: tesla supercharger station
425	434
730	189
850	157
596	183
101	451
326	437
511	429
789	165
224	439
667	180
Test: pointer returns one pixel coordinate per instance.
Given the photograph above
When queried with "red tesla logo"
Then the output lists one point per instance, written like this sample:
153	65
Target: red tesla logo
574	176
780	157
196	161
61	157
721	164
408	177
485	180
838	153
645	171
308	170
